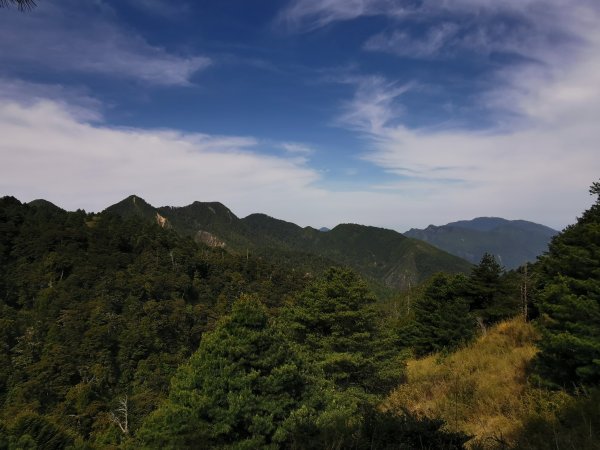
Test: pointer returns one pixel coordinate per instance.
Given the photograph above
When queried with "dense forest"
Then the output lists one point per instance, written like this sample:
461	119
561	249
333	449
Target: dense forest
117	332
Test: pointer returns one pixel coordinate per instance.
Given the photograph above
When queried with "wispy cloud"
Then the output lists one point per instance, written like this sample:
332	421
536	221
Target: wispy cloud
402	43
162	8
47	152
308	15
539	164
86	38
374	103
77	101
297	148
437	28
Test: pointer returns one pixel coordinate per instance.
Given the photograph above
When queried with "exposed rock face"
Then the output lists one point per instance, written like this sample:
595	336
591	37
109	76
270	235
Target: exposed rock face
209	239
162	222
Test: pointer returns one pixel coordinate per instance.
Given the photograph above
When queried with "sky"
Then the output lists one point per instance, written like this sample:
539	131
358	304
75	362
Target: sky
392	113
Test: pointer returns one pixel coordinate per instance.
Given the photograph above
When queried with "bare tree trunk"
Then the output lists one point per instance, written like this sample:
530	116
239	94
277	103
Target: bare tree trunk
481	325
120	416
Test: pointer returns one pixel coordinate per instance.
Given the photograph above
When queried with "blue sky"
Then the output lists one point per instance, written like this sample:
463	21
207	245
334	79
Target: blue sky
383	112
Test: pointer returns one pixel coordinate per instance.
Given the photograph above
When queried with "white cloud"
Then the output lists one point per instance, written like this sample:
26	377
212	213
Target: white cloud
77	101
297	148
85	37
537	165
46	152
374	103
521	27
307	15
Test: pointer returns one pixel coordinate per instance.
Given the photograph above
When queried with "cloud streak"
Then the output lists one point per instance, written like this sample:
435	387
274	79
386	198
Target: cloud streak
48	152
309	15
539	163
76	37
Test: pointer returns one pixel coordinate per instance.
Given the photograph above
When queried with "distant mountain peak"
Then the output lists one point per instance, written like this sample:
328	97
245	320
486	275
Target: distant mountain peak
380	254
41	203
512	242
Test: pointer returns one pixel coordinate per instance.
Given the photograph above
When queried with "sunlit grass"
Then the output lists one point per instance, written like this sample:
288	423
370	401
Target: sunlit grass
482	389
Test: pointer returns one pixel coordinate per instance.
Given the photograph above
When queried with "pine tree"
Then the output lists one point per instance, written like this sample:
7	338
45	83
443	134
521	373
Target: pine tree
442	320
335	321
245	388
489	292
569	303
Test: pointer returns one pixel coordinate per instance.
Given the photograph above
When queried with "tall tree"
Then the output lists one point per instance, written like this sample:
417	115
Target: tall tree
336	322
490	292
569	303
244	388
442	320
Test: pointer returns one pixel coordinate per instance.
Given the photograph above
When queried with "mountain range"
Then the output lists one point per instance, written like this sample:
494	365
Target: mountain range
383	256
512	242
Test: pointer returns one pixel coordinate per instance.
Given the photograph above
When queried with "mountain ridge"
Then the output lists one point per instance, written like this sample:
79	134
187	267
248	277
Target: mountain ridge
512	242
382	255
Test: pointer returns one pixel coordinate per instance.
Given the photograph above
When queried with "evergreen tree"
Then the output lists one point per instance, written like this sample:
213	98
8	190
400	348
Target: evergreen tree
244	388
484	282
569	303
335	321
442	320
489	292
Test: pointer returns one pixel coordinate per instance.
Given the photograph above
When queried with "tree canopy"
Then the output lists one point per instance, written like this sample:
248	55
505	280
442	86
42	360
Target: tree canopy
569	303
245	387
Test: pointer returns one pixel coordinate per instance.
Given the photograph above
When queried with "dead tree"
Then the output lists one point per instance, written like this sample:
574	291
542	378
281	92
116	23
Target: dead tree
120	415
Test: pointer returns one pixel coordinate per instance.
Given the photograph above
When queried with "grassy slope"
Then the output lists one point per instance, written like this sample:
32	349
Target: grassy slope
483	390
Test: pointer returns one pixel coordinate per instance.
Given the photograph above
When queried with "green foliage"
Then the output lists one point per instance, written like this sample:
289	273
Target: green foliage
441	316
99	312
30	430
569	304
491	292
95	307
485	284
244	388
402	430
386	258
576	425
336	323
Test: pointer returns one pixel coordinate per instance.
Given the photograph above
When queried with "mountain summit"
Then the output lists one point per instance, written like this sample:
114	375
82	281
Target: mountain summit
384	256
512	242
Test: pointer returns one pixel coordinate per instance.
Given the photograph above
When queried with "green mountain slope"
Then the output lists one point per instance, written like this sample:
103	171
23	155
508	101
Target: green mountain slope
512	242
383	256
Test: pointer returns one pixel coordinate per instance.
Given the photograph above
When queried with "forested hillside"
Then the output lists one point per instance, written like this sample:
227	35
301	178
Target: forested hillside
120	332
385	257
96	308
512	242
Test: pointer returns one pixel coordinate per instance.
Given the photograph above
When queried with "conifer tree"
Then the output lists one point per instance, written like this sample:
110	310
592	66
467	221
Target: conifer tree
569	303
335	321
489	292
442	320
245	388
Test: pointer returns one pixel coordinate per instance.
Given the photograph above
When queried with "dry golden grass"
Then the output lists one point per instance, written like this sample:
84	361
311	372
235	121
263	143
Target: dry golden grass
481	389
